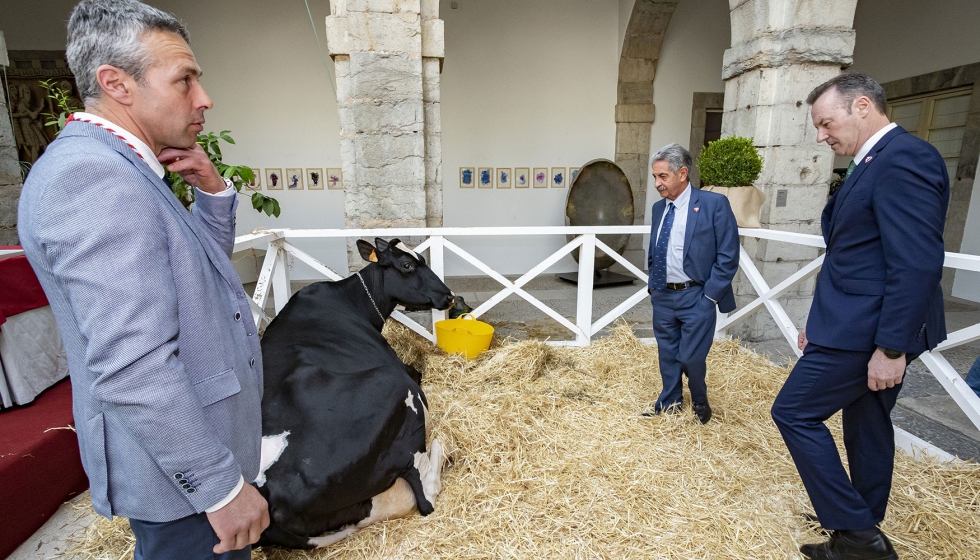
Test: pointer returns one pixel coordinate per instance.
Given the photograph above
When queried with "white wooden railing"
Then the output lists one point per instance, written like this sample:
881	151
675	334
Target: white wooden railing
274	281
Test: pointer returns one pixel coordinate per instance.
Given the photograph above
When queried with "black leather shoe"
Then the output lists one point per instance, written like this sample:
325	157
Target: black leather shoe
848	545
703	412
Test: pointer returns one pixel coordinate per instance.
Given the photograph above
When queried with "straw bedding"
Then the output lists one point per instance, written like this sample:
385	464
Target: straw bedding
549	458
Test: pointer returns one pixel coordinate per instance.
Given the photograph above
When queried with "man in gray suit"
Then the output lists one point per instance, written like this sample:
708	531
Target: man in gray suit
166	368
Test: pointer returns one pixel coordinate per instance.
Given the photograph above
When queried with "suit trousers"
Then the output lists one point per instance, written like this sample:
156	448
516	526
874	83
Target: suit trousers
187	538
824	381
684	326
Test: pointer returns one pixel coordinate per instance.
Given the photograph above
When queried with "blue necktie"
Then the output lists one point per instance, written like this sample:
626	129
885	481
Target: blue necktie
659	271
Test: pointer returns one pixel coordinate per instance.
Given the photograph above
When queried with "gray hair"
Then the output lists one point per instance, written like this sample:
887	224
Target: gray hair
676	157
111	32
850	86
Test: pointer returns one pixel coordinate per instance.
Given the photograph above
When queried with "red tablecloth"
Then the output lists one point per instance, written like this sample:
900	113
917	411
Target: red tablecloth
19	289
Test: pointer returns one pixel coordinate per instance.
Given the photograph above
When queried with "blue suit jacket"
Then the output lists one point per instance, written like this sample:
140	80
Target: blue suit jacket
165	363
880	282
711	245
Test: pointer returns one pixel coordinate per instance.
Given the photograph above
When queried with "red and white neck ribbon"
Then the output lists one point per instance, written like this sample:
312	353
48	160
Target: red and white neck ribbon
72	117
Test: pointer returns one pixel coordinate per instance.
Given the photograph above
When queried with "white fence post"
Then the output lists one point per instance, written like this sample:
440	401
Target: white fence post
438	265
281	290
586	270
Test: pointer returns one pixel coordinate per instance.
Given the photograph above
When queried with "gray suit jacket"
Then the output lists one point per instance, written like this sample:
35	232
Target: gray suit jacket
165	362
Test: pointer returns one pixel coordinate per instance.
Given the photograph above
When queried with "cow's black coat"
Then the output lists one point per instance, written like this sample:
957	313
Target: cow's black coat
334	383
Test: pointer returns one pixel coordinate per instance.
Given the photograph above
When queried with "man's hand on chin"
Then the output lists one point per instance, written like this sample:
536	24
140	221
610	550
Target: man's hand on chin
193	166
884	372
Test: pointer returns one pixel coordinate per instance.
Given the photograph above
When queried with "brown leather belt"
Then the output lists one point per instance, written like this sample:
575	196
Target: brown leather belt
681	285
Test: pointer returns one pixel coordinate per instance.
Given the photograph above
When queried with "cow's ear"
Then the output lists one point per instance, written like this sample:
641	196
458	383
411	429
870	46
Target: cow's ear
383	245
367	251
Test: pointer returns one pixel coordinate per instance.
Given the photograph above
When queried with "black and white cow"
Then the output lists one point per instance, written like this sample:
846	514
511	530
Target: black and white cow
343	419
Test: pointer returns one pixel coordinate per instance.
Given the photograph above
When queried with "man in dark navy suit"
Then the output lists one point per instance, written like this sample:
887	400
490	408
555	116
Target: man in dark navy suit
692	260
878	305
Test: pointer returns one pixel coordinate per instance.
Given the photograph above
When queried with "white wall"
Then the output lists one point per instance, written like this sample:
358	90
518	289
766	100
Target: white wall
526	83
901	38
690	61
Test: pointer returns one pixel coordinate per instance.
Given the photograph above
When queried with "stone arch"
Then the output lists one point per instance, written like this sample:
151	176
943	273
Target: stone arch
635	111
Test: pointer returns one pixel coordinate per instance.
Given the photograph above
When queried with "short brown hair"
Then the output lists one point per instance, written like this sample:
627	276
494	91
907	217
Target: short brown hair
850	86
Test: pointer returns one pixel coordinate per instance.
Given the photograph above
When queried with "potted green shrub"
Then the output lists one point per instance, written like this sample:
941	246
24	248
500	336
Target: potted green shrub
729	166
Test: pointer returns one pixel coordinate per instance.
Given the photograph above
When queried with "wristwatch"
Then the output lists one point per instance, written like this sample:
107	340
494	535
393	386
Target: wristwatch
891	354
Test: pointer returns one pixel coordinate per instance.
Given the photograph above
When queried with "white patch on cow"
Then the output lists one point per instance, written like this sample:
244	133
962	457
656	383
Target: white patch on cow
327	540
405	248
410	402
272	448
429	466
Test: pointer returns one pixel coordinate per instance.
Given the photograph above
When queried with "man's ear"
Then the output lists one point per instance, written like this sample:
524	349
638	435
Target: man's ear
862	105
115	83
382	244
367	251
683	173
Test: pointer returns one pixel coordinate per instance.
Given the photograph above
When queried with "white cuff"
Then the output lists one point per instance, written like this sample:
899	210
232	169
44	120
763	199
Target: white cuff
229	189
706	295
231	496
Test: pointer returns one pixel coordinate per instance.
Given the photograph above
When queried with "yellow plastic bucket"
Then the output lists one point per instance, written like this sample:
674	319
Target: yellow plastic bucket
464	335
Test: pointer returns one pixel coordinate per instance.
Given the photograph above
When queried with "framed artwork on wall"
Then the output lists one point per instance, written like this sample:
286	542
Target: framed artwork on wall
314	178
485	177
504	177
294	179
572	174
557	177
540	177
467	177
273	179
522	177
335	178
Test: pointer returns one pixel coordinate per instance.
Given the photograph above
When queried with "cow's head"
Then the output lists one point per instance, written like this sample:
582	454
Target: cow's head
406	279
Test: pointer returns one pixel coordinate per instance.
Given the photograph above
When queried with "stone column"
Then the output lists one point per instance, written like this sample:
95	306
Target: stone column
10	182
387	55
781	50
635	111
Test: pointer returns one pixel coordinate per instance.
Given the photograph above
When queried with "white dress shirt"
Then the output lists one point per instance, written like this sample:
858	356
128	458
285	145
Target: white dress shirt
871	143
143	150
675	244
151	160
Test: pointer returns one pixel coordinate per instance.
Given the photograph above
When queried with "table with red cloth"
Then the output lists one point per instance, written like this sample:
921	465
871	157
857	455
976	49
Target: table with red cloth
32	355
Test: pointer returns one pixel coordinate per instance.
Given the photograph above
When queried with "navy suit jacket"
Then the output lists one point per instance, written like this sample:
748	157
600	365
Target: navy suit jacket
711	246
880	282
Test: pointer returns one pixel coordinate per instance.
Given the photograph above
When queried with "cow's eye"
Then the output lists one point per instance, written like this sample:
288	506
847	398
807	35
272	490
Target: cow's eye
407	266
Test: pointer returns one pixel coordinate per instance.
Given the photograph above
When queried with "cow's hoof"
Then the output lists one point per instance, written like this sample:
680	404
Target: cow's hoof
432	478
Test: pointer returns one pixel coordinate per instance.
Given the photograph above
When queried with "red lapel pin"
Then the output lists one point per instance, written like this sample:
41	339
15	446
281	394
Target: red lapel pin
697	209
867	159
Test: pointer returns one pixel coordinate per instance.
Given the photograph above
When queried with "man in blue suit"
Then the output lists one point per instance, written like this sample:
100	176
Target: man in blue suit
878	304
165	364
692	260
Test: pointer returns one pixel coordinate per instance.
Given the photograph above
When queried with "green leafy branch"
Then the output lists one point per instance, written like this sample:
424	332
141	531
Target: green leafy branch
63	100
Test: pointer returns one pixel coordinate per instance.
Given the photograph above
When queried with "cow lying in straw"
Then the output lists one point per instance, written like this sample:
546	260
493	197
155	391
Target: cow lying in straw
344	421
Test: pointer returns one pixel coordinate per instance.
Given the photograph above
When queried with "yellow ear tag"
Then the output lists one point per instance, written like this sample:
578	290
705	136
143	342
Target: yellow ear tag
373	257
